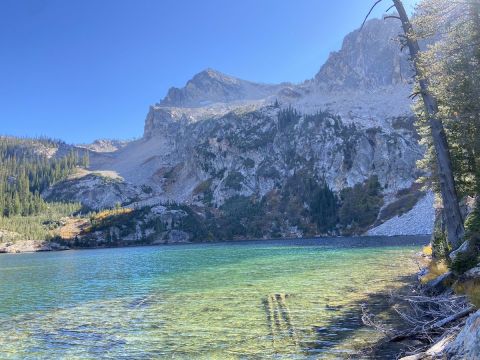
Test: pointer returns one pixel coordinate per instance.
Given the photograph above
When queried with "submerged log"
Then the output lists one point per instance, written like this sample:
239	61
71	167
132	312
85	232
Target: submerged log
269	310
279	319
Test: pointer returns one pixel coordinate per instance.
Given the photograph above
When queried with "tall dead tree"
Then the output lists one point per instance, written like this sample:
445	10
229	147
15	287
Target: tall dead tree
452	215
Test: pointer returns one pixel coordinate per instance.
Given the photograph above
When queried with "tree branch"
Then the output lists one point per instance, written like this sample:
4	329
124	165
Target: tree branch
391	17
371	9
390	8
415	333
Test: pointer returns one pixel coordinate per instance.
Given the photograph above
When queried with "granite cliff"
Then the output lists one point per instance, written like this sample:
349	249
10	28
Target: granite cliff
221	145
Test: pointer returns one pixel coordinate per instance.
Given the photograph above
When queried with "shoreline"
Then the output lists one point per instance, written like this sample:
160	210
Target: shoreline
42	246
437	320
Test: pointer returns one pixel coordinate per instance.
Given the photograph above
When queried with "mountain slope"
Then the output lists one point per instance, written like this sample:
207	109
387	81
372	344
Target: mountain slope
369	59
211	86
220	139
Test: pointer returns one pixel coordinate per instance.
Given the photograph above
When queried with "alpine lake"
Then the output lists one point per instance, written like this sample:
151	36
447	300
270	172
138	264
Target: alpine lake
288	299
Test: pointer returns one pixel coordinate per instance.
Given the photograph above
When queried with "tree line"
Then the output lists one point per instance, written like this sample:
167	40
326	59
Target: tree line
26	171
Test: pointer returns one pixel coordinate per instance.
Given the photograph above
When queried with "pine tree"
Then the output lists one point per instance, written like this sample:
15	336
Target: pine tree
24	174
440	148
453	63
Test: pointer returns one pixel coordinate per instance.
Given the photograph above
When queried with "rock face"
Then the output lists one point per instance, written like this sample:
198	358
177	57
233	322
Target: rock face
369	59
93	191
220	137
262	153
30	246
135	226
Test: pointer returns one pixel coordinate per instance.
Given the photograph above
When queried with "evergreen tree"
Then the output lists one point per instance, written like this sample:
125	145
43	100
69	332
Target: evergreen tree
324	208
453	64
25	173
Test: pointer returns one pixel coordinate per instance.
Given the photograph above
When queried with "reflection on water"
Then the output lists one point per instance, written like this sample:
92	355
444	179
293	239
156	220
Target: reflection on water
286	299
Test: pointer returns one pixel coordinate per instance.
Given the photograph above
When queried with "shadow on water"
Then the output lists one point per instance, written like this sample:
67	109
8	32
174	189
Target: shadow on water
349	324
95	342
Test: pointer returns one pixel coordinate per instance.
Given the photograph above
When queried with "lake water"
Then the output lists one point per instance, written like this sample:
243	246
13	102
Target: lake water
294	299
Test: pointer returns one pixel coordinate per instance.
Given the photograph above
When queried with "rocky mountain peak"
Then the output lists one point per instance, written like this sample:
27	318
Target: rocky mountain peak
105	145
211	86
223	140
366	82
209	75
369	58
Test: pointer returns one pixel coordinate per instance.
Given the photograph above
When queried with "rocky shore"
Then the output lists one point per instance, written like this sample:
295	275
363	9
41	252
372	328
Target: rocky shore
464	345
418	221
461	342
31	246
437	323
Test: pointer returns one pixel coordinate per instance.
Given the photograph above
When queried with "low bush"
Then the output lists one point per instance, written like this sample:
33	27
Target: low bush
468	259
234	180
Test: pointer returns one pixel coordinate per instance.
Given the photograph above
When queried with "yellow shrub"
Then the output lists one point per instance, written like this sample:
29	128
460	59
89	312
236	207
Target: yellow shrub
435	269
471	288
427	250
113	212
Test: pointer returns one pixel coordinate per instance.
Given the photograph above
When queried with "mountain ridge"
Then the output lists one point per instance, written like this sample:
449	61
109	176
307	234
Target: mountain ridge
210	86
221	145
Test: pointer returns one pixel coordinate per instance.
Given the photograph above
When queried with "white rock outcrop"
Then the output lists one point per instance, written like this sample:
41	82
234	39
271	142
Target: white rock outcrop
418	221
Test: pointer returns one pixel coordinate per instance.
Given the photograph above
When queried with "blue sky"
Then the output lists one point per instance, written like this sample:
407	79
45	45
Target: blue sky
79	70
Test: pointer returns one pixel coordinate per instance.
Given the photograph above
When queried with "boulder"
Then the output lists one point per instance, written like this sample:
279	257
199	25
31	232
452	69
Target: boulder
437	351
472	274
439	284
467	343
461	249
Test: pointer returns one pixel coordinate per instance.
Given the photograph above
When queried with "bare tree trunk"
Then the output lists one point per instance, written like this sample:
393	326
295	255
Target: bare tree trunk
475	13
453	216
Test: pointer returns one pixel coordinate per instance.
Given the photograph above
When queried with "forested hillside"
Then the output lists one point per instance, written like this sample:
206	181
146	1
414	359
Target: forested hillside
28	167
26	170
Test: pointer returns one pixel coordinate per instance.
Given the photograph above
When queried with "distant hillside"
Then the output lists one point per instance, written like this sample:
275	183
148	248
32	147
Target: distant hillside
27	168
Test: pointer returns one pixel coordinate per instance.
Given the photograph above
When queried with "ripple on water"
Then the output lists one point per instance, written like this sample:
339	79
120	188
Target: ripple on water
221	301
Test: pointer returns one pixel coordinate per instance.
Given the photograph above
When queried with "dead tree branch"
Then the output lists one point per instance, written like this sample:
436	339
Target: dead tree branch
369	12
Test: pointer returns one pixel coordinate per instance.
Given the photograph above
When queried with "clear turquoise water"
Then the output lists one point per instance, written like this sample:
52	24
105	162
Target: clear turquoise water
275	300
